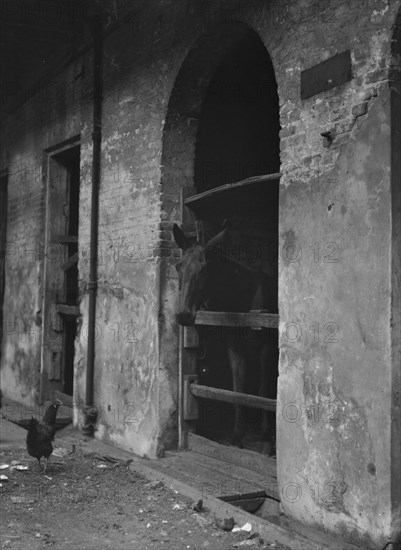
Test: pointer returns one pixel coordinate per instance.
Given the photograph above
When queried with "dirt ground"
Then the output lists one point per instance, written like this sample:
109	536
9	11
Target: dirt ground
84	502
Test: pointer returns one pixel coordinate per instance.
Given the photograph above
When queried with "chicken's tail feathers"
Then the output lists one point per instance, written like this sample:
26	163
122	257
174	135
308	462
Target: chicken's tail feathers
32	435
33	424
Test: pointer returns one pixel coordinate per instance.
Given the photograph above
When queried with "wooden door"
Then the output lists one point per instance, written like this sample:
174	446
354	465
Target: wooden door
3	234
60	303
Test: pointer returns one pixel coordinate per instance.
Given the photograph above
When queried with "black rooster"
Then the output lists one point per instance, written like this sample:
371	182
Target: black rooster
41	434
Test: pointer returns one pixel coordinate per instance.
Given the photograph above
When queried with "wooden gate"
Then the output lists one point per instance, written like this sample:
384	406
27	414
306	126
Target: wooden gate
191	391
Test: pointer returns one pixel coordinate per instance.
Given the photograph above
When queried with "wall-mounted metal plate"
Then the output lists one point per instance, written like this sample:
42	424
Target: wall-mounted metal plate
326	75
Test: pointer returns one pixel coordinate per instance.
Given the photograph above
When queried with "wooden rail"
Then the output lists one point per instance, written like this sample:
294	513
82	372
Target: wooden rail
233	397
234	319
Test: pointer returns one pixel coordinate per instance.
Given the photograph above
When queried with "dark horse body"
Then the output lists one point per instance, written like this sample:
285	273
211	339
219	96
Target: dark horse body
209	279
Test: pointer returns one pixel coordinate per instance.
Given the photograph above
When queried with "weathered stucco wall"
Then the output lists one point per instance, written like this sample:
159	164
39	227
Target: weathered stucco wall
335	391
46	119
334	443
134	395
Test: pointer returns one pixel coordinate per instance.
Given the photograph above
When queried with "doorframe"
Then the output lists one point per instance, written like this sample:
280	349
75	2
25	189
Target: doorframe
49	155
4	176
177	179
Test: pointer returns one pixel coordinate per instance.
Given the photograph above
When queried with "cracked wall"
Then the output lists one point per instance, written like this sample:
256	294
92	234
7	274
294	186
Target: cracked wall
335	366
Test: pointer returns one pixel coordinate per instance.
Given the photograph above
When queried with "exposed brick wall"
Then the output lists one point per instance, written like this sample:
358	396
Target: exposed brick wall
26	136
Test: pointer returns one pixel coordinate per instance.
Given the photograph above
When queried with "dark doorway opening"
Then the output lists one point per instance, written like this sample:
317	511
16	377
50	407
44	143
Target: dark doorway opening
61	300
238	134
71	162
3	237
238	138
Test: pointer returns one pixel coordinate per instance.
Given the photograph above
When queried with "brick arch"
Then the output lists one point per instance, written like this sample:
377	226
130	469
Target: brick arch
185	107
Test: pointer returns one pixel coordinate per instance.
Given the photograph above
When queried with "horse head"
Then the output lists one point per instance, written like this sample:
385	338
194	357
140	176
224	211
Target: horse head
193	271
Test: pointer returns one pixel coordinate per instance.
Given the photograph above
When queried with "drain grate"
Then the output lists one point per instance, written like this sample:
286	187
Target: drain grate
250	502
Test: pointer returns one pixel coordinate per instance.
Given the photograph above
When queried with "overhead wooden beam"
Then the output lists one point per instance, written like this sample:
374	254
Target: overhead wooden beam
212	193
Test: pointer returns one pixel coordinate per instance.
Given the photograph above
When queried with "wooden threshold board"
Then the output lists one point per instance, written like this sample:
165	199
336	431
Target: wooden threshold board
251	471
259	463
212	477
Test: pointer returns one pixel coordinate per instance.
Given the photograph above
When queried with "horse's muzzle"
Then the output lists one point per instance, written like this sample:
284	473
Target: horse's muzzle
185	319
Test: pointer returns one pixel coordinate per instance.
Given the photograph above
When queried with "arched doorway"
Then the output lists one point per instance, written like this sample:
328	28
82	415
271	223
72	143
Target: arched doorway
227	71
238	138
222	127
238	134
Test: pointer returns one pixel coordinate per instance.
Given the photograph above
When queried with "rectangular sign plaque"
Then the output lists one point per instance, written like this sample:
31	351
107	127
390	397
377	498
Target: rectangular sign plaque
326	75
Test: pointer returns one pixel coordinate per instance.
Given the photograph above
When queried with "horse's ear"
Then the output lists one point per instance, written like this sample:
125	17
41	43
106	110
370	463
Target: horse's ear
180	238
216	240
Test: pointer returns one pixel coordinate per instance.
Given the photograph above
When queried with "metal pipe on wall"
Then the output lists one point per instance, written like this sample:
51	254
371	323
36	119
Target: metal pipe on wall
90	411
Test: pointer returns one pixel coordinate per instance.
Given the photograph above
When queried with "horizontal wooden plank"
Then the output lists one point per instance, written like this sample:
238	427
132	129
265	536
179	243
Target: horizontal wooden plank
233	397
261	464
235	319
72	311
70	262
66	239
213	477
211	194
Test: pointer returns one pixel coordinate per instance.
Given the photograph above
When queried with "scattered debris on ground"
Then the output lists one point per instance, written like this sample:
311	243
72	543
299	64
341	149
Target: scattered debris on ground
89	501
